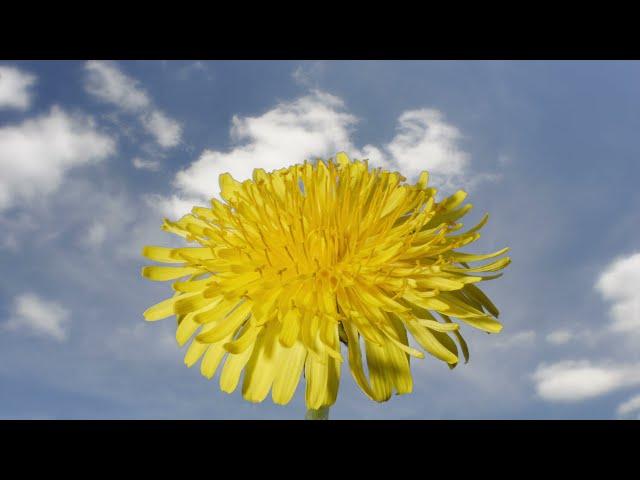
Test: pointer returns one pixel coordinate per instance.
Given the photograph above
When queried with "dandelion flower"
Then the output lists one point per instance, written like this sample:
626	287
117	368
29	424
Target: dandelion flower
295	262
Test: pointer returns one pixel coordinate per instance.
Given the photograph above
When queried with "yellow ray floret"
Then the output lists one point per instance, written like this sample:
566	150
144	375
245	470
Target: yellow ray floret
295	262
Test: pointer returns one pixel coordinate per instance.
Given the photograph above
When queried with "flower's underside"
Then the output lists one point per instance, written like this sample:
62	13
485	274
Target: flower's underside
295	262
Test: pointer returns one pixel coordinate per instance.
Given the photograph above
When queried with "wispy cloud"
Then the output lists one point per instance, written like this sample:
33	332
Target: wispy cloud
165	130
630	406
108	83
522	339
32	314
559	337
142	164
308	74
15	88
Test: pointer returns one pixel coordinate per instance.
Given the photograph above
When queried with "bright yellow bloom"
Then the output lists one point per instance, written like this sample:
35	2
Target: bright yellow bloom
296	261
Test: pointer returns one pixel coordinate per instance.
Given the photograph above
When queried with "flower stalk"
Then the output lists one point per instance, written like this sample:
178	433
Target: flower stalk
320	414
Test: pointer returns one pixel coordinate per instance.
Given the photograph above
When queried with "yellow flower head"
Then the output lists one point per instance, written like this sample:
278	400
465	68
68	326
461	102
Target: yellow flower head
296	261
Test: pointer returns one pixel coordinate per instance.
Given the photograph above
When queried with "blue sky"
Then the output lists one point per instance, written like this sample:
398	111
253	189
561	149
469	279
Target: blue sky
94	154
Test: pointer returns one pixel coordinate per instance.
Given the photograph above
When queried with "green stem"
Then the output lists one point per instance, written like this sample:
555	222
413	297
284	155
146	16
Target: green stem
321	414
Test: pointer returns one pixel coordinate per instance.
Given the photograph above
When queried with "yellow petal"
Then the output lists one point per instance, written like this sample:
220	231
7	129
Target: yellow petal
227	325
377	298
261	368
211	360
162	274
484	322
423	180
437	326
194	352
219	308
461	341
316	374
453	201
480	224
186	328
379	373
164	309
175	255
430	343
322	373
399	369
160	254
232	369
229	187
193	285
243	341
290	328
395	332
428	303
490	267
447	342
288	373
355	359
458	306
342	159
470	257
193	254
192	303
439	283
481	298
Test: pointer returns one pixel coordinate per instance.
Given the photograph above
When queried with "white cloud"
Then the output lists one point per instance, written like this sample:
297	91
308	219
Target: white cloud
15	91
308	73
36	154
522	339
569	380
110	216
318	125
141	164
426	142
559	337
504	159
38	316
193	70
630	406
125	342
165	130
620	284
106	81
573	381
315	125
173	207
96	235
